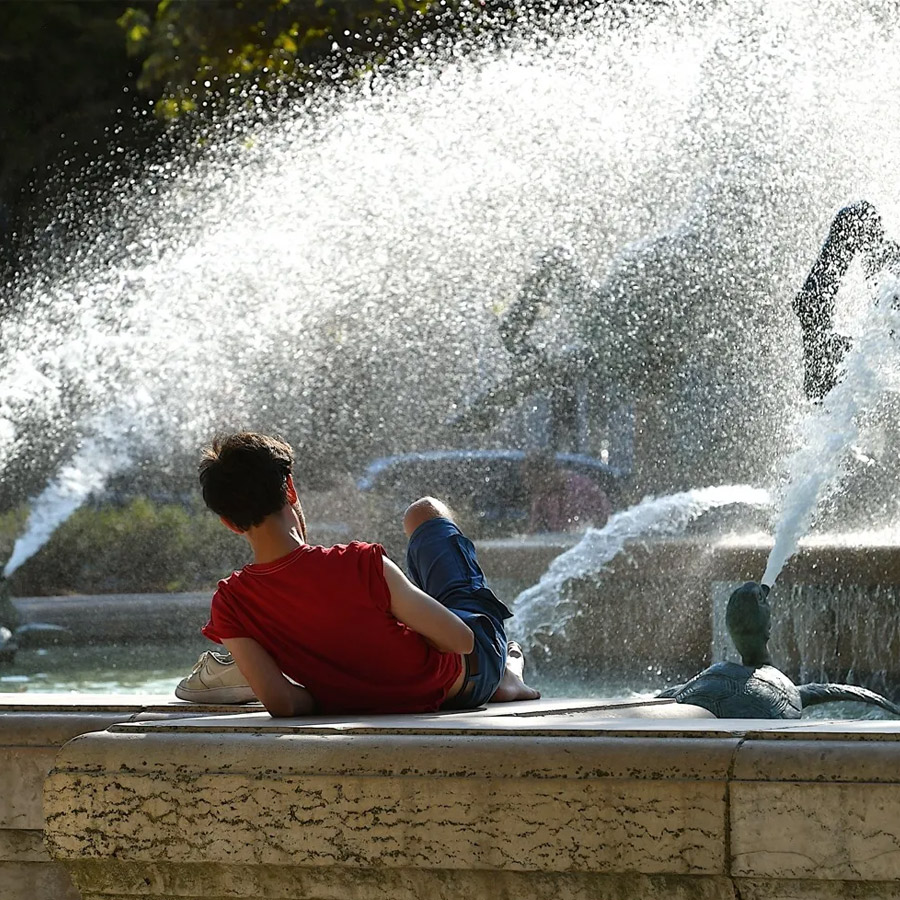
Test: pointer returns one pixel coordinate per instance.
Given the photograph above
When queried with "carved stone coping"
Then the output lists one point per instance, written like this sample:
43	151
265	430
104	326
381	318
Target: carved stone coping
578	802
33	727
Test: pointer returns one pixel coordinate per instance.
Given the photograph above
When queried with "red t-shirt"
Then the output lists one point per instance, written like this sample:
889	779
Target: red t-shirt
323	614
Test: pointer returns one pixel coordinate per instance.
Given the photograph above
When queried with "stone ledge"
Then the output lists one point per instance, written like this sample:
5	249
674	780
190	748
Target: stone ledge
814	889
33	727
36	881
552	804
568	799
825	831
110	618
22	845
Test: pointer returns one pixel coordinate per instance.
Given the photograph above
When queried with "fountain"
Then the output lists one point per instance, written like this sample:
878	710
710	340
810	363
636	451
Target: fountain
637	199
850	381
350	272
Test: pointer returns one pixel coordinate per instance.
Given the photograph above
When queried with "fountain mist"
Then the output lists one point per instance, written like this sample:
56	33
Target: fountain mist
336	274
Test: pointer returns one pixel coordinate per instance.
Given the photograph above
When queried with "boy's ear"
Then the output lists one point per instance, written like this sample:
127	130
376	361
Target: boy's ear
230	525
291	490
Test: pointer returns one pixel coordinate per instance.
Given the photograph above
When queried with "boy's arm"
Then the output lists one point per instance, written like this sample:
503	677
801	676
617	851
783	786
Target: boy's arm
414	608
279	696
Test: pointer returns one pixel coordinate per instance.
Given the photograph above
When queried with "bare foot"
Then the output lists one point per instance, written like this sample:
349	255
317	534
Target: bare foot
511	686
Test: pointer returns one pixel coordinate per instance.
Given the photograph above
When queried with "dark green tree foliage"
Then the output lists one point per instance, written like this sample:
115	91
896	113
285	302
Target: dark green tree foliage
66	78
194	51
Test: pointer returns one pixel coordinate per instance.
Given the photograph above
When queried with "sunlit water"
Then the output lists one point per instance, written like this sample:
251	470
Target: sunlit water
336	274
544	607
100	669
838	431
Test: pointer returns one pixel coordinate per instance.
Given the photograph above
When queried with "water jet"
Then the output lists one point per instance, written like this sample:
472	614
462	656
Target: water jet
351	280
659	159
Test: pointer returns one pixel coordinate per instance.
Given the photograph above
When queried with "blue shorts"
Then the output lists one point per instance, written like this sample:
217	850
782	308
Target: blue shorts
441	561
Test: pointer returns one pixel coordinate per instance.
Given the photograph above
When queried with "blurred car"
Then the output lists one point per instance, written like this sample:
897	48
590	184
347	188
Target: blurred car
485	488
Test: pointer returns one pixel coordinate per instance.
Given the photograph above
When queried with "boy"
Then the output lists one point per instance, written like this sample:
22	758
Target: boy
344	624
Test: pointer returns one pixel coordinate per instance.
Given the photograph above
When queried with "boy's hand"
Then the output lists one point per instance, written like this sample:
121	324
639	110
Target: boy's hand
280	696
442	629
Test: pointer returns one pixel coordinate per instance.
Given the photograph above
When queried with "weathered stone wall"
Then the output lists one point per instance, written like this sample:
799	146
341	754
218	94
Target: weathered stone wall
33	728
577	804
29	742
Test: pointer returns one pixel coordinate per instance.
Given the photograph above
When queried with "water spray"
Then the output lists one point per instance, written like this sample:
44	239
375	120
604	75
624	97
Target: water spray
543	608
407	254
833	428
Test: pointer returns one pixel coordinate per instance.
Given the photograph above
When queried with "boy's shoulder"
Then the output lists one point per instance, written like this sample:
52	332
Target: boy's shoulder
355	547
354	554
307	554
349	549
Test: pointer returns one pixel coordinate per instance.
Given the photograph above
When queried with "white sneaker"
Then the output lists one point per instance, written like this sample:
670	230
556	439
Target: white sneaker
215	679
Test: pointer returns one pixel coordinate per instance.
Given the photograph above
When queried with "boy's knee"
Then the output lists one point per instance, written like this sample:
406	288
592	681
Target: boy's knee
421	511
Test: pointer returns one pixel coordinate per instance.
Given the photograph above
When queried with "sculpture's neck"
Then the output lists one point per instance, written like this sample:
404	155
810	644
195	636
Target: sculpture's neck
757	657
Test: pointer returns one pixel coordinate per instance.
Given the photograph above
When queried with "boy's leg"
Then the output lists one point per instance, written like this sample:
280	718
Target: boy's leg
441	561
417	514
421	511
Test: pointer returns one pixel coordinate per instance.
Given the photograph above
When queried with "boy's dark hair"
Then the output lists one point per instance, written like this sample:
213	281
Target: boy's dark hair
244	477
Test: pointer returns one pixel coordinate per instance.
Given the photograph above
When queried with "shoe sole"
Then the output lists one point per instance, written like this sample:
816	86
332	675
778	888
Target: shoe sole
217	696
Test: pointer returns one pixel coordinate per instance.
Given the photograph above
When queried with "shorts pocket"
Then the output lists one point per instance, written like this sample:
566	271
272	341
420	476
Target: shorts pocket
470	571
